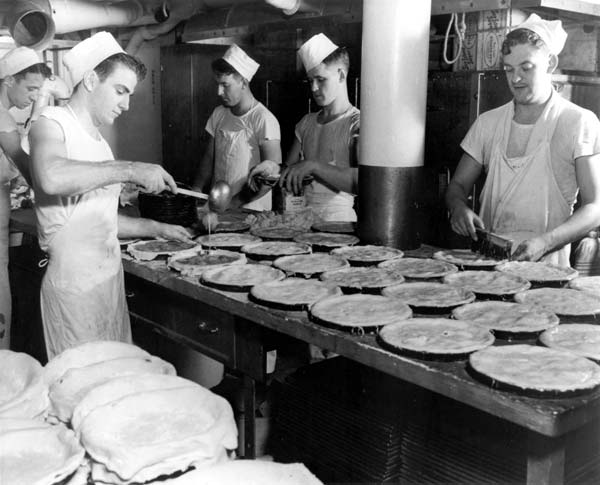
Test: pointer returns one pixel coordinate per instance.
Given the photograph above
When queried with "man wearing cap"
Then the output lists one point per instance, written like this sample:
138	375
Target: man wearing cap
325	144
538	151
77	184
243	132
22	75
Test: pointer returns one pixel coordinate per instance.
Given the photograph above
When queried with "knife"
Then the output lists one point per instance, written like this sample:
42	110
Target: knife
192	193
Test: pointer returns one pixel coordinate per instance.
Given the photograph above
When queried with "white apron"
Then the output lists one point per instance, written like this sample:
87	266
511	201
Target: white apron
521	198
83	293
233	157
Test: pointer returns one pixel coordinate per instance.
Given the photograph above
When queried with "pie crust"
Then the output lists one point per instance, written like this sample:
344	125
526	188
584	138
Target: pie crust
562	301
275	249
241	277
419	268
368	254
327	240
591	284
538	272
532	368
175	427
310	264
361	278
504	317
278	233
578	338
436	336
195	261
39	456
232	226
466	258
492	283
293	293
334	226
359	311
429	295
149	250
227	240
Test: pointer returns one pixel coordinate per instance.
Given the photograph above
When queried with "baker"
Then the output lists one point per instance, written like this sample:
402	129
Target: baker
325	144
242	131
77	184
22	75
538	151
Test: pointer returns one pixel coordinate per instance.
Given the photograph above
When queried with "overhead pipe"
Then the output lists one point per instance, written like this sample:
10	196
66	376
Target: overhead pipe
33	23
395	51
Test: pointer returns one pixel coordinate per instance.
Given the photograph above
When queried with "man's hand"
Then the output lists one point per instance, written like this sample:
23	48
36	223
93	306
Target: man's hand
464	221
265	168
172	232
531	249
293	175
152	177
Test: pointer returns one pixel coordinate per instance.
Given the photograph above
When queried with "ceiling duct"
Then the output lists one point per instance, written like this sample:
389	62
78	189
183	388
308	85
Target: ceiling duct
33	23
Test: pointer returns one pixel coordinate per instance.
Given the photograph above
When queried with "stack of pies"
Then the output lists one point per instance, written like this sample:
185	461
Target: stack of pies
278	233
488	283
195	261
139	437
367	255
419	268
73	385
538	272
505	319
309	265
359	311
368	280
325	241
87	354
269	250
292	293
591	284
23	390
535	370
426	297
241	277
121	386
38	454
562	301
149	250
227	240
344	227
466	259
435	337
578	338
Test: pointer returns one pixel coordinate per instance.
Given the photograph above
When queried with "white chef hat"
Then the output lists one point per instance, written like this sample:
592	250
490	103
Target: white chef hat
315	50
17	60
550	31
86	55
241	62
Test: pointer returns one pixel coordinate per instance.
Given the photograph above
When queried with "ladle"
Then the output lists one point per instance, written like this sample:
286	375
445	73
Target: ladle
218	198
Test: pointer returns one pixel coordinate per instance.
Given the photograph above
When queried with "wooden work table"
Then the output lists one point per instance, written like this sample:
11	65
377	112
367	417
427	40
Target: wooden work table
547	421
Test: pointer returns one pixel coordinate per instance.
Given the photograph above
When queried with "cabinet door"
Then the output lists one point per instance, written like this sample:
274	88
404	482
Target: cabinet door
189	95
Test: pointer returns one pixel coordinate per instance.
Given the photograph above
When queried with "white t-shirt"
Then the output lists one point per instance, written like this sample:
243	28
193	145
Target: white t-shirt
237	145
577	135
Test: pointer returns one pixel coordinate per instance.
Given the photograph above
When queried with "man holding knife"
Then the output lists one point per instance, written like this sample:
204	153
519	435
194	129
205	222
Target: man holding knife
538	151
77	184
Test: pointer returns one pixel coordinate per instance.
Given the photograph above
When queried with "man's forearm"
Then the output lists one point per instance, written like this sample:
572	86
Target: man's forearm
455	197
136	227
343	179
583	220
68	177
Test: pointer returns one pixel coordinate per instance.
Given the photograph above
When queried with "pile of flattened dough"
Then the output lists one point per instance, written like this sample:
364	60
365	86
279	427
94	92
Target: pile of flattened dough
111	413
